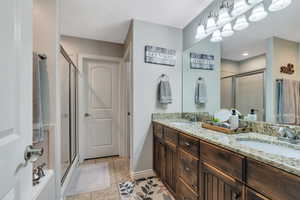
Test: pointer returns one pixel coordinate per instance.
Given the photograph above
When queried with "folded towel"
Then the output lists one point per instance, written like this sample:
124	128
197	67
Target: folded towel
164	92
200	92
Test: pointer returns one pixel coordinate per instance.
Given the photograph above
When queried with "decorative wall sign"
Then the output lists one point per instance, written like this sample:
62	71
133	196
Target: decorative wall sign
161	56
202	61
289	69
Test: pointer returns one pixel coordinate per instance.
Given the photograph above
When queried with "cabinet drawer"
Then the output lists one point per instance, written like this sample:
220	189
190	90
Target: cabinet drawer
184	192
158	130
171	136
228	162
188	169
272	182
189	144
252	195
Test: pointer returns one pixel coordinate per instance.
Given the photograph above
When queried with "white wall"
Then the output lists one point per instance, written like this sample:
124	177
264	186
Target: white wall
145	82
75	46
212	79
46	41
230	67
280	52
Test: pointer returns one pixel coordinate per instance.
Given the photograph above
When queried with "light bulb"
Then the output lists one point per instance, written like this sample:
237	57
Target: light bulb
216	37
253	2
211	25
241	23
227	30
200	32
258	13
277	5
224	17
240	6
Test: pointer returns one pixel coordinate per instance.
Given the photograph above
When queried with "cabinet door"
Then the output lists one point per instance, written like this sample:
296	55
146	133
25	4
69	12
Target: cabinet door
252	195
170	173
215	185
159	158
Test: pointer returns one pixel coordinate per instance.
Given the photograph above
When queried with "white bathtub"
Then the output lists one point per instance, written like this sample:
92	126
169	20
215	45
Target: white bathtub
45	190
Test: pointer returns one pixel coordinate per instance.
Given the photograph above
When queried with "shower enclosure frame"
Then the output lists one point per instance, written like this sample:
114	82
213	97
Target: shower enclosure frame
245	74
72	159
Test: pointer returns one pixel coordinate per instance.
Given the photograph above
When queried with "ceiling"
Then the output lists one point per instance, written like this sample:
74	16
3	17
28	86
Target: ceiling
109	20
284	24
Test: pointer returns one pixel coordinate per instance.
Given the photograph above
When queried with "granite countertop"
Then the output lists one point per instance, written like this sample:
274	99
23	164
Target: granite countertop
232	142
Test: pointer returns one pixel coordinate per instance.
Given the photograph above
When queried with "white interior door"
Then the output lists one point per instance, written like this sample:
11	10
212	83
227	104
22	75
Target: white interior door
102	108
16	99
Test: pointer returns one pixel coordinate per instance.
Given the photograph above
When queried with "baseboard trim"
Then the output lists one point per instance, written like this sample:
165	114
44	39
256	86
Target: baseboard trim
142	174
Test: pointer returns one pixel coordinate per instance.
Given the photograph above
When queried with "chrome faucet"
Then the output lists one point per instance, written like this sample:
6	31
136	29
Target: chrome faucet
38	173
289	135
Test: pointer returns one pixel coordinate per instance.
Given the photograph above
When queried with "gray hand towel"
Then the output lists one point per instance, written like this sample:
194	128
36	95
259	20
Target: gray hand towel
200	92
164	92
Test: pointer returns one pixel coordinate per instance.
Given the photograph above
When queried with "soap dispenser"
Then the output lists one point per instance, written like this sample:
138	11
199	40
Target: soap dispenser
252	116
234	120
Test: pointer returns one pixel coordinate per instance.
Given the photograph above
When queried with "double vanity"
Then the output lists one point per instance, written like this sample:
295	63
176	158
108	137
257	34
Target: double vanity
197	163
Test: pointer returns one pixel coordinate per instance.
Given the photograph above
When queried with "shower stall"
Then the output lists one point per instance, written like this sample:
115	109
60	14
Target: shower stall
244	91
68	97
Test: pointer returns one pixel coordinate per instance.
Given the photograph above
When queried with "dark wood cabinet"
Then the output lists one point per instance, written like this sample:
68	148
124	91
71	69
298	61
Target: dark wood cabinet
189	144
170	173
188	167
227	161
159	158
215	185
184	192
252	195
272	182
194	169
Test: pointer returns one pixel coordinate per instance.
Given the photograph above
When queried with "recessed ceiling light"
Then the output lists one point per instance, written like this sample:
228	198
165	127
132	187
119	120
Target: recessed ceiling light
245	54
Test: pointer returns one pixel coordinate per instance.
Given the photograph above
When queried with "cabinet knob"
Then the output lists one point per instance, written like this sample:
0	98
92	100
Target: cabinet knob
187	144
187	169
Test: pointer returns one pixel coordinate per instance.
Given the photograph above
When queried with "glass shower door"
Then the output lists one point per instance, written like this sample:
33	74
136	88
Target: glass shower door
227	93
249	94
65	114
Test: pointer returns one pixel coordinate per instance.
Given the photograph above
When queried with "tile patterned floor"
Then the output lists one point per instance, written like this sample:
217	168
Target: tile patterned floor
118	171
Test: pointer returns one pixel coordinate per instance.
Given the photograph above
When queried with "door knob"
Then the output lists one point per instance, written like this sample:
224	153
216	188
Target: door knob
87	114
32	154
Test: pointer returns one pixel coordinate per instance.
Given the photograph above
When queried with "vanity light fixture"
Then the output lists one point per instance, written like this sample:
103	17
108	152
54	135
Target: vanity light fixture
224	16
200	32
258	13
216	37
241	23
277	5
245	54
240	7
211	24
227	30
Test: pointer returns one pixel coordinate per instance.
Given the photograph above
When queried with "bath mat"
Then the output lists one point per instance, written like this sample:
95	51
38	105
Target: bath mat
144	189
89	178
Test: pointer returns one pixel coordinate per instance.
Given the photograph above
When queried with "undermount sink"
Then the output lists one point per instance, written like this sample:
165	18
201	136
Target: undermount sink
180	123
279	148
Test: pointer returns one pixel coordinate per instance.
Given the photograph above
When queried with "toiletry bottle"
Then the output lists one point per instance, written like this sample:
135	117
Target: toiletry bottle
234	120
252	116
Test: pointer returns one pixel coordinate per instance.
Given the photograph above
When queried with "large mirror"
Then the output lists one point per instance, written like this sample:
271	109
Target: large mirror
255	71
